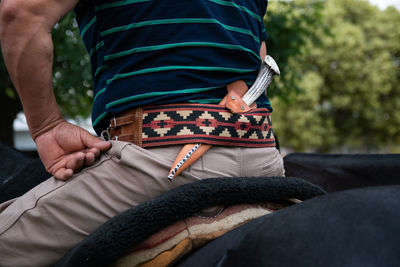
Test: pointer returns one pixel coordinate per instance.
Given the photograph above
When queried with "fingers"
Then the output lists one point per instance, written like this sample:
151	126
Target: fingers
90	158
94	142
76	162
96	152
63	174
103	145
65	168
91	155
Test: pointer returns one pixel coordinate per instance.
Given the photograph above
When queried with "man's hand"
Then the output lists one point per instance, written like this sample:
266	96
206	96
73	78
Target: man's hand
66	149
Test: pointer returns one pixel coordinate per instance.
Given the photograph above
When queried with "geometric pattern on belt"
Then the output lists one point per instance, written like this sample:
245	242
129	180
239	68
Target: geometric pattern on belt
206	123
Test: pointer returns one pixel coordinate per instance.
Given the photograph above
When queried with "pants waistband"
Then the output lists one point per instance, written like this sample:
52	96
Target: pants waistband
173	124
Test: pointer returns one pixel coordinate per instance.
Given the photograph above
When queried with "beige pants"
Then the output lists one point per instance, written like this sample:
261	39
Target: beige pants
38	228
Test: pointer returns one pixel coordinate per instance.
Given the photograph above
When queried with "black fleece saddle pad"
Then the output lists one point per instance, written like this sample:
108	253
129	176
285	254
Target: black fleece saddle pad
114	238
32	174
11	162
359	227
336	172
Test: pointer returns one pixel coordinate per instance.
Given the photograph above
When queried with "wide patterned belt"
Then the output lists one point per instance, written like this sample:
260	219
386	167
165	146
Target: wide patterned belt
212	124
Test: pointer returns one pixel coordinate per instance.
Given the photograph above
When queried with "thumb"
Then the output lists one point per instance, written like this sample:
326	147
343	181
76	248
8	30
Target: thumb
91	141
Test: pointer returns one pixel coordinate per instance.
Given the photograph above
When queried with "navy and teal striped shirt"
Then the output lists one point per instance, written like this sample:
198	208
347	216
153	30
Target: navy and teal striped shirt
169	51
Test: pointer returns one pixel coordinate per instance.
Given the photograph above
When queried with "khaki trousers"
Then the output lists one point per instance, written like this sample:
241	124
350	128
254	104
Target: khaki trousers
38	228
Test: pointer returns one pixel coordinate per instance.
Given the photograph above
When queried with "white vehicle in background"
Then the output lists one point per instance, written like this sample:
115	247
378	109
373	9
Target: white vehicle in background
23	140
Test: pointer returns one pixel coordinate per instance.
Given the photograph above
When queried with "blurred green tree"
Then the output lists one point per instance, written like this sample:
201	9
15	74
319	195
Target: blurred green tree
71	79
349	82
71	72
290	26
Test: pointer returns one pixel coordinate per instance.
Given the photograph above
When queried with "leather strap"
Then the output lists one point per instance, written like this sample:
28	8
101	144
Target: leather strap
128	126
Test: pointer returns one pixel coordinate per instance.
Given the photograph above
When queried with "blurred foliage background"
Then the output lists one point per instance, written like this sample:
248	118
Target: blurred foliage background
340	88
340	84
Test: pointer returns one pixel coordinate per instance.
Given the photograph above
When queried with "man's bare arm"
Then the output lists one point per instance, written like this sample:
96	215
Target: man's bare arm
27	47
28	52
263	50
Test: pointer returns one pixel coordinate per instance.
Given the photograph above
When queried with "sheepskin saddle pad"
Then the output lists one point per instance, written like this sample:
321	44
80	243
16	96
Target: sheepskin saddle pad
161	231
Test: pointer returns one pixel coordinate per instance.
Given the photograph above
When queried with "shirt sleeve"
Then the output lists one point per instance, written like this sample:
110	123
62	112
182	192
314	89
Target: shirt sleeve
264	34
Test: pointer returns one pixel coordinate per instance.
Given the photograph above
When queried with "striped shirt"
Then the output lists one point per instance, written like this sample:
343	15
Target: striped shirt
169	51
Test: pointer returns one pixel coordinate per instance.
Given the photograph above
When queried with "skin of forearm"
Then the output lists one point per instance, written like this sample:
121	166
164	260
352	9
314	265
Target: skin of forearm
28	53
263	50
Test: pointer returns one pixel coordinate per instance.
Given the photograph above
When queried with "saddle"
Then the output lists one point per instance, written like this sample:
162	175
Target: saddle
165	229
